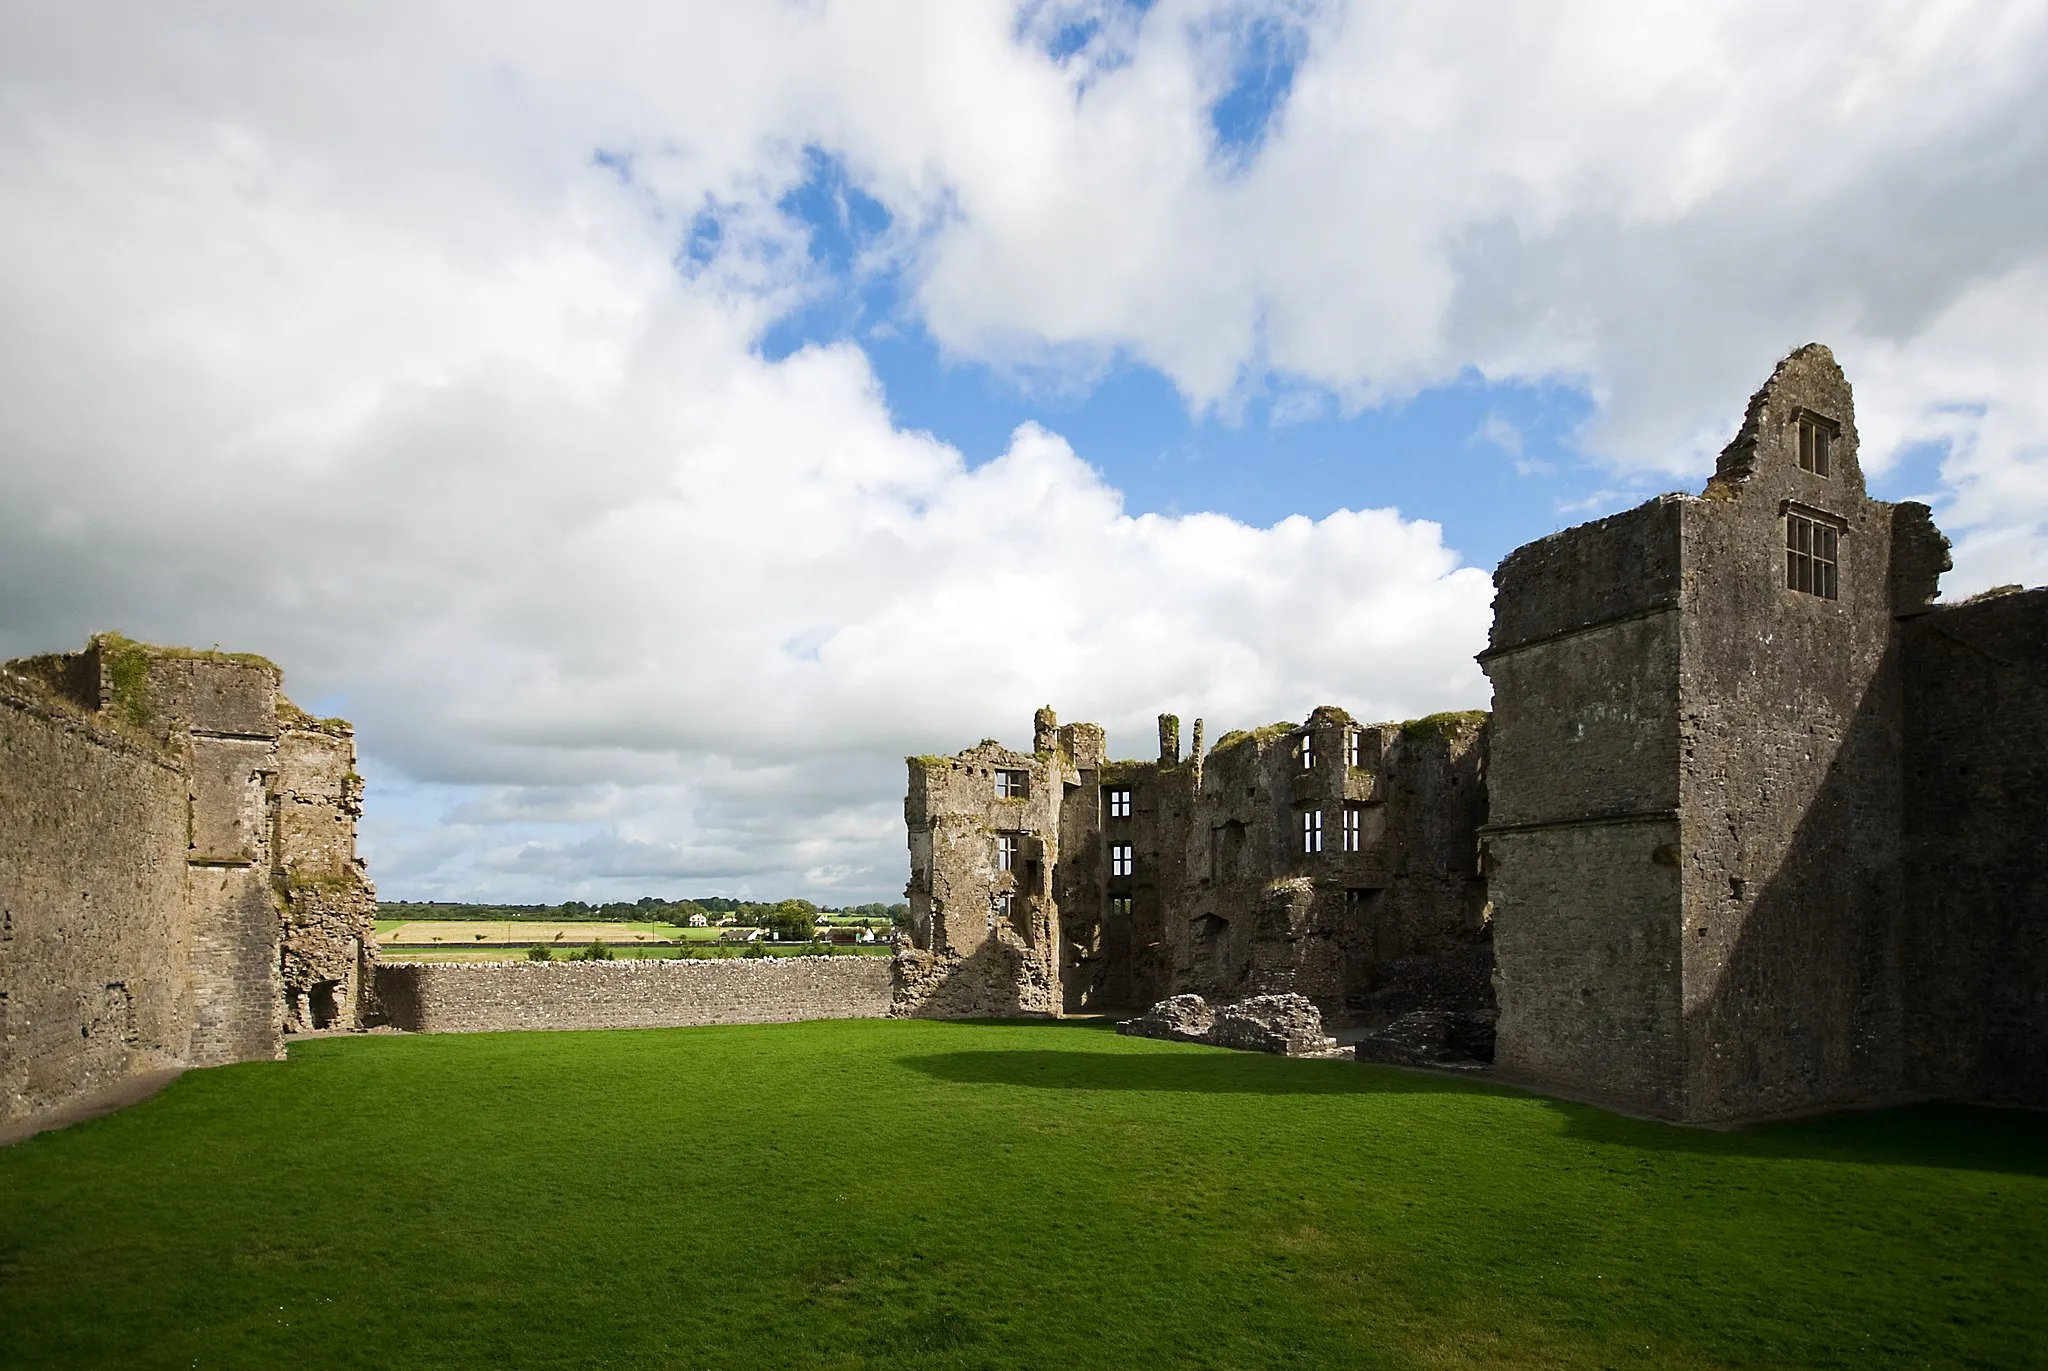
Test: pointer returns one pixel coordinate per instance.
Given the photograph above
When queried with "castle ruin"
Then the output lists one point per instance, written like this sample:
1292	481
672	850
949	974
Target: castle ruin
1754	829
178	878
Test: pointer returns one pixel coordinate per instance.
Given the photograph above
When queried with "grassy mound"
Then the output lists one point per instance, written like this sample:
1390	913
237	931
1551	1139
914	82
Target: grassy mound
880	1194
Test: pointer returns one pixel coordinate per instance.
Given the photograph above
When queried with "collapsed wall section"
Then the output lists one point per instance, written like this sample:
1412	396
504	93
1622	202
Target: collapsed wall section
984	834
1976	782
491	996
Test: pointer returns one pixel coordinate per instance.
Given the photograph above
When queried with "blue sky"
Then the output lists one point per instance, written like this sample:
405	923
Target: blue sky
649	424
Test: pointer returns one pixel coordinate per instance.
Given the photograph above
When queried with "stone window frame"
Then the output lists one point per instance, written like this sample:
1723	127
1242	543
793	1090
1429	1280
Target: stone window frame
1009	851
1002	902
1012	784
1813	539
1813	440
1120	907
1308	750
1123	860
1354	828
1311	831
1116	801
1354	747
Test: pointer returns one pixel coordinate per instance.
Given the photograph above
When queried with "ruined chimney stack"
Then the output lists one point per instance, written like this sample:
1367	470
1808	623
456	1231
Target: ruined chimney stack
1045	730
1195	754
1169	740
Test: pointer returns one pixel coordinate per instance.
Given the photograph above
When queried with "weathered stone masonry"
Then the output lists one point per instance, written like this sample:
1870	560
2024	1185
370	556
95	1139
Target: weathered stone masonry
178	879
1325	858
1764	820
655	993
1755	828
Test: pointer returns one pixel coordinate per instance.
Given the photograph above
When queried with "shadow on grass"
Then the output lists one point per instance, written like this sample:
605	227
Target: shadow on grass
1211	1072
1947	1136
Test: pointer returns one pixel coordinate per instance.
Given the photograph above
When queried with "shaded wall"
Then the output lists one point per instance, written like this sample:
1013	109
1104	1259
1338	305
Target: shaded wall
1976	784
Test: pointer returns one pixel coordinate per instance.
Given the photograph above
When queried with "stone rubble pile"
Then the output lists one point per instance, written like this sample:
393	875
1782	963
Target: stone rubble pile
1430	1038
1288	1025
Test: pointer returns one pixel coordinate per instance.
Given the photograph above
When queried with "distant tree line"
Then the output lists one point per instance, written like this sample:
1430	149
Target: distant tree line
793	915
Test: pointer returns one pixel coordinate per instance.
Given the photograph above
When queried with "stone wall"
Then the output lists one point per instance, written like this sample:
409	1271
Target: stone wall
1695	851
488	996
1976	781
1242	880
1581	840
95	982
178	879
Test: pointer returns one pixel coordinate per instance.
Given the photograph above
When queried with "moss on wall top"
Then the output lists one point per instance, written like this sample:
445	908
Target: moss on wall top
1440	725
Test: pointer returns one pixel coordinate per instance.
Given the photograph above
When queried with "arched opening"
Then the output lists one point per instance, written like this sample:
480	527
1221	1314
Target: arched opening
323	1003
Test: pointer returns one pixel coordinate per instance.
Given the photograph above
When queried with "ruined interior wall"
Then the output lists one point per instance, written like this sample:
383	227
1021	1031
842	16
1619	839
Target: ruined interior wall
330	907
1424	939
1581	840
93	928
1790	782
1976	778
491	996
1095	937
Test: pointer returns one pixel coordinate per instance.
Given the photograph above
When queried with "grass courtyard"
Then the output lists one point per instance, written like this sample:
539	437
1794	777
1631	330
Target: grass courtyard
907	1194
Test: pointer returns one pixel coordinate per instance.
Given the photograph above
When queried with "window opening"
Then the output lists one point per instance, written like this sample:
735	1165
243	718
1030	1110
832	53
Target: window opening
1009	846
1119	803
1308	751
1354	827
1354	747
1003	904
1121	859
1811	549
1815	438
1312	830
1012	785
1120	907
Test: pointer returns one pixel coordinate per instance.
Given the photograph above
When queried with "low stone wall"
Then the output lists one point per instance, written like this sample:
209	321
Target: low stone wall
485	996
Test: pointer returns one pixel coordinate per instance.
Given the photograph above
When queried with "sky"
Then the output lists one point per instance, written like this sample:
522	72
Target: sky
649	423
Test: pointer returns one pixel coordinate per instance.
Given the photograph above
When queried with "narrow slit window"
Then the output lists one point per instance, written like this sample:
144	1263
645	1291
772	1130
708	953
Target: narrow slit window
1009	846
1118	803
1311	830
1120	908
1308	751
1816	436
1012	785
1354	827
1811	553
1121	862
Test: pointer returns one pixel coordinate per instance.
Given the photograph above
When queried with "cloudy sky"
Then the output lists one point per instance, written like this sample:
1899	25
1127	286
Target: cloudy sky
650	421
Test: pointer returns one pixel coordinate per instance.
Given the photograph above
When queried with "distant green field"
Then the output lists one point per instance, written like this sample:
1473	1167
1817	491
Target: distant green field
892	1194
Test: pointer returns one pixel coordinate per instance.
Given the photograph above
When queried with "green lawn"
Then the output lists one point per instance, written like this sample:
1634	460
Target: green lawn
890	1194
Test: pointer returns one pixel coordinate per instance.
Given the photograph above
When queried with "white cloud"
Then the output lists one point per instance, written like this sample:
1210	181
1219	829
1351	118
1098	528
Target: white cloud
325	333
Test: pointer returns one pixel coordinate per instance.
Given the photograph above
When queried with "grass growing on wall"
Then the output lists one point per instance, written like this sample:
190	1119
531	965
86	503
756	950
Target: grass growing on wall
902	1194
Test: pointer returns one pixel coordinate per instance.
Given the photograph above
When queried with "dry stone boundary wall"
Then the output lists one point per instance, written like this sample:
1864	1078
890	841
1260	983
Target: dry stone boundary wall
492	996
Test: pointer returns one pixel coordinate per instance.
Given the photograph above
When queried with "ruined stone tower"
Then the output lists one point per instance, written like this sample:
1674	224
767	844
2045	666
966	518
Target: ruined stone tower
1696	797
178	877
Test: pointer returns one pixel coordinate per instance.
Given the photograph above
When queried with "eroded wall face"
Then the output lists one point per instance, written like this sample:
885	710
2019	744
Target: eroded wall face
330	908
1582	837
1792	735
1976	782
984	922
171	865
93	929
